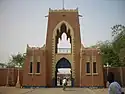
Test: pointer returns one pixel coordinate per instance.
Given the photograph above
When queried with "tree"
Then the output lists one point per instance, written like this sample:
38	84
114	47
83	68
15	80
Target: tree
118	33
113	52
3	65
17	60
108	55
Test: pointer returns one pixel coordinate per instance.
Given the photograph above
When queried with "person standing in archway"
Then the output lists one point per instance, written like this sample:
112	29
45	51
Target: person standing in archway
64	83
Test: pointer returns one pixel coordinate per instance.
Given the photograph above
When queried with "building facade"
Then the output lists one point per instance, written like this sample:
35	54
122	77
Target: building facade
40	68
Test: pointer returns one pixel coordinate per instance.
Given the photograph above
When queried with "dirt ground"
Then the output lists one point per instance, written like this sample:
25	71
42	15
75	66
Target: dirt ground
13	90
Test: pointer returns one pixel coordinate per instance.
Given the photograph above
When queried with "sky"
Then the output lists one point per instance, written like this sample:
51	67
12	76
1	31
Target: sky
23	22
64	70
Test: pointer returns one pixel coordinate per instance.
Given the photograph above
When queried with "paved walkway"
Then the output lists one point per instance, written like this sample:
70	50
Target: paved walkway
12	90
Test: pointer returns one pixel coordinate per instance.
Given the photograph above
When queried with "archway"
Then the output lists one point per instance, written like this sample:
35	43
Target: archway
63	40
63	69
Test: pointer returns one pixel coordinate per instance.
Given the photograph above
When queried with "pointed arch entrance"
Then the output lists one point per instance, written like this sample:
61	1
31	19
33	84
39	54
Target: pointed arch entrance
63	64
62	28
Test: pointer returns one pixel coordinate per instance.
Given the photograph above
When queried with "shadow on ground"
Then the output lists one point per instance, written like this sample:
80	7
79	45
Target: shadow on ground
70	90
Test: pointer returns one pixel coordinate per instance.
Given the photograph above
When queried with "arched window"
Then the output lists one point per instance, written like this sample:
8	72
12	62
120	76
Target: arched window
63	40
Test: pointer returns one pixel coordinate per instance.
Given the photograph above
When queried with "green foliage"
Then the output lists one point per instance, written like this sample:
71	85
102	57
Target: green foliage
17	60
113	52
108	54
3	65
119	42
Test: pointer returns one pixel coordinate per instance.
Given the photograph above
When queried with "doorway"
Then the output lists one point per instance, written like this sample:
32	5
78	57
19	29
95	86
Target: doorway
63	70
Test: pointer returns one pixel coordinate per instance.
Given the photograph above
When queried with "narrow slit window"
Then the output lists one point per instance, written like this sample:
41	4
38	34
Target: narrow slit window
38	67
88	67
31	65
94	67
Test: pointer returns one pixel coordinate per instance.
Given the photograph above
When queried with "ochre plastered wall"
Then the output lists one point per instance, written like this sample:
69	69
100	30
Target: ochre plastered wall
72	18
35	79
49	59
95	79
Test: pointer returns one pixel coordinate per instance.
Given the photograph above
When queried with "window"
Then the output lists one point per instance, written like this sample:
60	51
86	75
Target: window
88	67
94	67
31	65
38	67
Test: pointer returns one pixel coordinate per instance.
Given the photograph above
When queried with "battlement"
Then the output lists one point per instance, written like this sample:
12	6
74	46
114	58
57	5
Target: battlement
35	48
63	10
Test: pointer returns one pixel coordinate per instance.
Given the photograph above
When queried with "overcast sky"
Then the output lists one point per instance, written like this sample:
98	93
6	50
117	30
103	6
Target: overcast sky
23	22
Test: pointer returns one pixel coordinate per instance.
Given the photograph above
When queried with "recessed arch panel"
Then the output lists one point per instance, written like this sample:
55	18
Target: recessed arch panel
57	34
61	24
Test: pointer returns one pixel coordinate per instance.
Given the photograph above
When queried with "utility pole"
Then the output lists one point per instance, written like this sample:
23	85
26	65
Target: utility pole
18	78
107	68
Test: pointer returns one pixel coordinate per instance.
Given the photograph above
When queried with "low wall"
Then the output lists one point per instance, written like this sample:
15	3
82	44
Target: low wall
119	73
12	73
8	76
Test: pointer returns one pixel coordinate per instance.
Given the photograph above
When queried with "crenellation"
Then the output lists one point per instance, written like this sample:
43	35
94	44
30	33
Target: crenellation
63	10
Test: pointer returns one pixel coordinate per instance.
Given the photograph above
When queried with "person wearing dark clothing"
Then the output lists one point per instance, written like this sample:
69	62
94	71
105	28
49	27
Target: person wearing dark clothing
61	82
